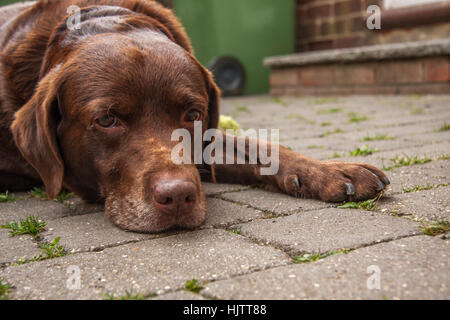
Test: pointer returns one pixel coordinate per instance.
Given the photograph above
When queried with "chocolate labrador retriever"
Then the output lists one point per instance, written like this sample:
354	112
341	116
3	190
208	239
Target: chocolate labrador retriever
91	105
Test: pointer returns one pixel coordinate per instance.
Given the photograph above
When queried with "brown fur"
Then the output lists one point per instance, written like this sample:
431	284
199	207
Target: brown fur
132	60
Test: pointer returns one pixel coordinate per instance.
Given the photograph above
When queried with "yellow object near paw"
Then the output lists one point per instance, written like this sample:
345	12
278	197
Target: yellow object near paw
226	122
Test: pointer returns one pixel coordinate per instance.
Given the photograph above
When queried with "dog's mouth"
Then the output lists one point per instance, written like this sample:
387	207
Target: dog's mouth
136	213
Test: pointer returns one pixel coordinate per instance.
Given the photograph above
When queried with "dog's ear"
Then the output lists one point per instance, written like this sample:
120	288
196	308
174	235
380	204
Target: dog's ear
35	134
214	99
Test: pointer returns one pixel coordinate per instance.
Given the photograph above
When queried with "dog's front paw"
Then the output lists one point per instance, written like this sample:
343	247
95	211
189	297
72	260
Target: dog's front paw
333	181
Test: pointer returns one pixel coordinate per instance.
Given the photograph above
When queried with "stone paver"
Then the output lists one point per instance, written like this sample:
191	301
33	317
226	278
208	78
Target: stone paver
89	232
432	205
14	249
212	189
180	295
223	213
245	248
277	203
20	209
147	267
411	268
328	230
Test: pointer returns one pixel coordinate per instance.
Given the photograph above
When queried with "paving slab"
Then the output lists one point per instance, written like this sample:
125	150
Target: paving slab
90	232
431	205
277	203
410	268
401	132
45	209
432	173
328	230
180	295
221	213
212	189
13	249
79	206
153	266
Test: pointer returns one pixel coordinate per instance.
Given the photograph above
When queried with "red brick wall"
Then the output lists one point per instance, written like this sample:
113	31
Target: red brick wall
422	75
329	24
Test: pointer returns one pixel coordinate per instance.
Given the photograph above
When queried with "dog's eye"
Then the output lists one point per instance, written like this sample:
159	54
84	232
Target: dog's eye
107	121
193	115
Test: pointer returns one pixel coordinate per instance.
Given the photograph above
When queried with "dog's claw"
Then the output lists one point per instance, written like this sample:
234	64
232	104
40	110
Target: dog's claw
350	189
297	182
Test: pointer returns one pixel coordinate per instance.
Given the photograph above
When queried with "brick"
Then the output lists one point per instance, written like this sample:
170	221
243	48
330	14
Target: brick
299	91
307	31
437	70
373	2
321	11
321	45
316	75
300	14
284	77
325	29
351	41
354	74
358	24
277	91
388	89
342	26
425	88
409	71
333	90
342	8
355	5
303	2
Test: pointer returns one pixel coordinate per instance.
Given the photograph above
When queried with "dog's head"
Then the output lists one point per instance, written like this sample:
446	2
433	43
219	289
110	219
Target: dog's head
101	120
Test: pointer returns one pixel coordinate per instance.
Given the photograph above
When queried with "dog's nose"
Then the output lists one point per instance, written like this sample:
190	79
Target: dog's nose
175	196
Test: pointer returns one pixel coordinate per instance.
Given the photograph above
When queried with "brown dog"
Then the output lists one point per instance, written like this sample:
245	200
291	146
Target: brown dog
92	109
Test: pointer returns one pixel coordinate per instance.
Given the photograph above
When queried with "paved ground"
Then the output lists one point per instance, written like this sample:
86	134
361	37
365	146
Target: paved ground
261	245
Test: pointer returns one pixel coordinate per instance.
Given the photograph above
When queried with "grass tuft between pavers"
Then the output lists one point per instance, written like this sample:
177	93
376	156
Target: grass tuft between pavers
378	137
445	127
327	133
31	225
425	187
5	290
312	257
51	250
7	197
368	205
355	118
363	151
193	286
329	111
404	161
41	194
436	228
279	101
129	295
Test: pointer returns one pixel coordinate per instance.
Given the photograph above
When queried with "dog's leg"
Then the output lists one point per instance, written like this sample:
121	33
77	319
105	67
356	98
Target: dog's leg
300	176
